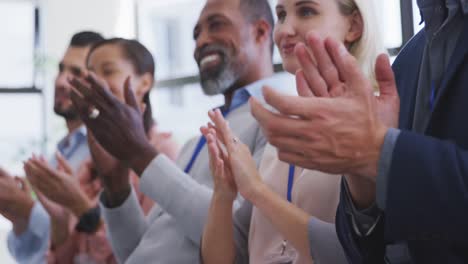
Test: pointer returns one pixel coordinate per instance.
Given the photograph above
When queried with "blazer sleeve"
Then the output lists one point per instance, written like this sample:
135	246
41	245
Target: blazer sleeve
427	190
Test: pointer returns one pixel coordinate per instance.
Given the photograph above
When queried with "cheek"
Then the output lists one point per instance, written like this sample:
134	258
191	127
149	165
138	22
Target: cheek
116	87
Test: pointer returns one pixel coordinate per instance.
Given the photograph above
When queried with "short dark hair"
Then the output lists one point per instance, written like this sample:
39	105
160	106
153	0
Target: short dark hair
143	62
256	10
85	39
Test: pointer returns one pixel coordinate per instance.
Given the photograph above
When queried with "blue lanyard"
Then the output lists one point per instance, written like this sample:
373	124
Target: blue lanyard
202	141
292	168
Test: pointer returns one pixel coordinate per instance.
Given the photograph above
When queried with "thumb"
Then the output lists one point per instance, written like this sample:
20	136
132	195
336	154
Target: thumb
385	77
130	95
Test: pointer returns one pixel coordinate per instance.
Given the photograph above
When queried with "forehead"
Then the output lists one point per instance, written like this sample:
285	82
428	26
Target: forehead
107	51
227	8
75	56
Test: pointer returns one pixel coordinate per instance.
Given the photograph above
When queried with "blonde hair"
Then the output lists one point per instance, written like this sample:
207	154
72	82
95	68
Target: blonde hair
368	47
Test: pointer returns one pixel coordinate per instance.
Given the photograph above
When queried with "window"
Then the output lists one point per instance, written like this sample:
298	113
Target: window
18	43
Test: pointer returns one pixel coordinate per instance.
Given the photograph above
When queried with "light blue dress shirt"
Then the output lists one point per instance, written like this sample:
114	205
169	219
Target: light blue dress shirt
31	246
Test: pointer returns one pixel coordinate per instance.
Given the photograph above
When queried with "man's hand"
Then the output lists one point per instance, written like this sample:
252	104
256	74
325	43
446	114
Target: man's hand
342	134
119	126
16	202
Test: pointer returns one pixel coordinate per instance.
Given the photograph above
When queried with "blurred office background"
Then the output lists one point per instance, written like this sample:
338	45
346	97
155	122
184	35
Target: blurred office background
35	34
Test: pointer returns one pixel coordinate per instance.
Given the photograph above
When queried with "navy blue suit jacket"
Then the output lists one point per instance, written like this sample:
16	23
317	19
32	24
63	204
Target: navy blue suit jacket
427	197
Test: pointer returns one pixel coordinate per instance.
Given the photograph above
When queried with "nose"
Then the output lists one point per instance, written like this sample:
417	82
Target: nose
286	29
61	82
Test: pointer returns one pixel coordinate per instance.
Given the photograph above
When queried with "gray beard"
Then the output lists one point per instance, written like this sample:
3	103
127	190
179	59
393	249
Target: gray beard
219	85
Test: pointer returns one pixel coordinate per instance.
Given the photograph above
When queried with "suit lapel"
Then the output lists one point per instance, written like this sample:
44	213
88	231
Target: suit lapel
457	58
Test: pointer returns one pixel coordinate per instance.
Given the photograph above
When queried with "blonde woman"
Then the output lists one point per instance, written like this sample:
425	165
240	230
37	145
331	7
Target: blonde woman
286	199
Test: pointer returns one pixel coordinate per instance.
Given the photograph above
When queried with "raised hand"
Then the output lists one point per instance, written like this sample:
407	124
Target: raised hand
224	184
117	126
114	175
57	185
341	134
16	202
238	157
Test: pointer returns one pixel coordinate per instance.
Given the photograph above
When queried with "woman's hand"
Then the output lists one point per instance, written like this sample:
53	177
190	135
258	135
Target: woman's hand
58	185
114	175
224	184
237	157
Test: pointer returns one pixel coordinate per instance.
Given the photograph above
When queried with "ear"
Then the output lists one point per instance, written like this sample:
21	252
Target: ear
262	31
356	28
145	83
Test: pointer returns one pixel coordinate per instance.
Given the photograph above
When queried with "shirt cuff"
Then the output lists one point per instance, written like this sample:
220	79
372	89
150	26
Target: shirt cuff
38	230
364	221
384	165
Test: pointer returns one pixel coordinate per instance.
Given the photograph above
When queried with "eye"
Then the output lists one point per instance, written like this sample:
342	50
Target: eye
281	15
108	72
215	25
196	33
307	12
77	72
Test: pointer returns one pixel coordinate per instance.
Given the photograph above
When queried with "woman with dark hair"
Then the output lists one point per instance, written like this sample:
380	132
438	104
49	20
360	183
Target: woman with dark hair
115	61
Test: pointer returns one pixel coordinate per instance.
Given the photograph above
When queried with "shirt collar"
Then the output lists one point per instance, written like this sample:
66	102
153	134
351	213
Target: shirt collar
72	139
432	3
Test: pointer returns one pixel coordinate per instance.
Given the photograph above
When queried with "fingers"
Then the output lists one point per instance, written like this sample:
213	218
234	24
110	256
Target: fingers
82	106
385	76
302	86
287	105
277	124
325	65
63	164
347	65
4	173
223	128
314	79
130	95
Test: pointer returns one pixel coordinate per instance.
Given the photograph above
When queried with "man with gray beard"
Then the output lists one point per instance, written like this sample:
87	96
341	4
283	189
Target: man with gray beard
234	53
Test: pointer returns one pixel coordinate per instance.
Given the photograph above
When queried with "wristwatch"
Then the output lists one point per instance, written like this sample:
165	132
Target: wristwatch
90	221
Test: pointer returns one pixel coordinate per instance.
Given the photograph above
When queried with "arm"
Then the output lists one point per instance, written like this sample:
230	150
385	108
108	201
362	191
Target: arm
218	237
427	180
186	200
126	225
31	246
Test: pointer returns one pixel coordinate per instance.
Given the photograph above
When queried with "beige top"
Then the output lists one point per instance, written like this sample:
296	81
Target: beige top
314	192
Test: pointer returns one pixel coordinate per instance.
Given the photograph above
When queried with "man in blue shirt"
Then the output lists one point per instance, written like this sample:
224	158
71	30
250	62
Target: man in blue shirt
28	242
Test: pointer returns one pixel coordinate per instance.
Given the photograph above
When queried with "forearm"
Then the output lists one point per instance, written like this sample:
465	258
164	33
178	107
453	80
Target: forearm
125	224
289	220
218	239
59	232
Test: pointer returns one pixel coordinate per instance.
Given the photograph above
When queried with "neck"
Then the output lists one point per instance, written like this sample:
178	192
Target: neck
258	73
73	124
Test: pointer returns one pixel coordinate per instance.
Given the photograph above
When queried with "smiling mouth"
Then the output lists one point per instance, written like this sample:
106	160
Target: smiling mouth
288	49
210	61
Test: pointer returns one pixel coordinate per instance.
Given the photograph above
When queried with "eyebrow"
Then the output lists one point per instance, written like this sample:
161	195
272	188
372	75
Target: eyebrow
307	2
303	2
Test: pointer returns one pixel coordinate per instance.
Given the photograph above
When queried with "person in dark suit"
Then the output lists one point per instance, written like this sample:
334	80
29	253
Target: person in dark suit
405	158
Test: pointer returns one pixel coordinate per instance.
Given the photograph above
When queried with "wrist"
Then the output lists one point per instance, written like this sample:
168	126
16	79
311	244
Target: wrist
20	218
370	168
361	190
116	197
223	197
81	206
255	192
144	155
